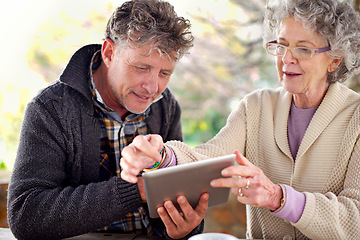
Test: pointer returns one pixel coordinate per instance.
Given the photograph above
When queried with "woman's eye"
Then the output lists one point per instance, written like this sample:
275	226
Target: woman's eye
304	50
280	49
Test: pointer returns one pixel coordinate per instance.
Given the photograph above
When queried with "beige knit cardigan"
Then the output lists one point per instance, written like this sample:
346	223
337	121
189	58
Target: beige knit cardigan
326	168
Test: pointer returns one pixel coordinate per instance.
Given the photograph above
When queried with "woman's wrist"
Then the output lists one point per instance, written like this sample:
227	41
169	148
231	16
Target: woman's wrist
294	204
279	199
171	158
167	158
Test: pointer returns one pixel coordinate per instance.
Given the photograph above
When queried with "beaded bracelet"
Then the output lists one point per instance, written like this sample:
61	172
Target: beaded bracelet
157	164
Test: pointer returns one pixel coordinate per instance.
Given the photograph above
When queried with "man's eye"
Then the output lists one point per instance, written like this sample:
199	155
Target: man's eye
142	68
165	74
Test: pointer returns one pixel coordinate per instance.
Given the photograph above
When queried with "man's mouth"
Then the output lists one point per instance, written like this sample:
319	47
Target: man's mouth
145	97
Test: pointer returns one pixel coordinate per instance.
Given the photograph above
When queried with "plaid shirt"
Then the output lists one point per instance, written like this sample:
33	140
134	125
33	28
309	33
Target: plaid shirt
115	135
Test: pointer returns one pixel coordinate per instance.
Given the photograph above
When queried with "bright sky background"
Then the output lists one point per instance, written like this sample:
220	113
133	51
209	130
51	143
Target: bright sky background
21	18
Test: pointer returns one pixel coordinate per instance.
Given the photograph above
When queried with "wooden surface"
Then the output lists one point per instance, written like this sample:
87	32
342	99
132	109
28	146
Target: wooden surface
3	209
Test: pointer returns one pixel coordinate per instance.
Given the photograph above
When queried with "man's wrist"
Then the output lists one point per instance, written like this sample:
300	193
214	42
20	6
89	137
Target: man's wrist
168	159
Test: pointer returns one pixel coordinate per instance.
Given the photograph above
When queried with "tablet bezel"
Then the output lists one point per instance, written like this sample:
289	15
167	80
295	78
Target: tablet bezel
190	179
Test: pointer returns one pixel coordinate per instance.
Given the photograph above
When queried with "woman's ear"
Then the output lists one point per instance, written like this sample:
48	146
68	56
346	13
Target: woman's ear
107	51
335	63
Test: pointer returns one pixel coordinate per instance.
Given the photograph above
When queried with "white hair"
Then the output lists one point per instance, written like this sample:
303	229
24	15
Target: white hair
336	22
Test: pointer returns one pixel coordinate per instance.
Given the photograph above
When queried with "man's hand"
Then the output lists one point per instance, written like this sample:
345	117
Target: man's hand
178	225
142	153
141	188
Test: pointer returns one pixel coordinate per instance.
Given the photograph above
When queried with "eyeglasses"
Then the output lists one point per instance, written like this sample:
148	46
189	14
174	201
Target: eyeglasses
276	49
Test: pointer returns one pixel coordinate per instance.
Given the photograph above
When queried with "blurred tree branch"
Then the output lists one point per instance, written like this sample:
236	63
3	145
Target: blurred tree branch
225	63
354	82
357	5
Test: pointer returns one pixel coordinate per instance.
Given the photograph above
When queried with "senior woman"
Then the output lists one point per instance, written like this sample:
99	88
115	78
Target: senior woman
298	145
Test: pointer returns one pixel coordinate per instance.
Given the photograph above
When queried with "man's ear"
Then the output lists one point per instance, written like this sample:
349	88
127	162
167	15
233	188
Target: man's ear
107	51
335	63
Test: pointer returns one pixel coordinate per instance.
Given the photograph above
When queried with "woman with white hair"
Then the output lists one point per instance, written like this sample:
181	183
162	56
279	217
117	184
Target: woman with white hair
298	147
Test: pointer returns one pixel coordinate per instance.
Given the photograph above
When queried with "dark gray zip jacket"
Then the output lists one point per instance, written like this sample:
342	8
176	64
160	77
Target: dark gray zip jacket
55	190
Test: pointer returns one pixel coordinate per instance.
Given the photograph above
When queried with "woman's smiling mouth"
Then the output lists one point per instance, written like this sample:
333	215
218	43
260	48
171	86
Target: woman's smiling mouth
291	74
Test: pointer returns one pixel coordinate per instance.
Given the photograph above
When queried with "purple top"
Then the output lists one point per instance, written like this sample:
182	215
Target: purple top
294	201
298	122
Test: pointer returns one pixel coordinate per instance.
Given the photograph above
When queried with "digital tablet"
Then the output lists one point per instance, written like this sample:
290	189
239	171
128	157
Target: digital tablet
190	180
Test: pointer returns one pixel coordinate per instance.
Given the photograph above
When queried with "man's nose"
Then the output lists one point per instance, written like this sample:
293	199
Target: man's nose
151	85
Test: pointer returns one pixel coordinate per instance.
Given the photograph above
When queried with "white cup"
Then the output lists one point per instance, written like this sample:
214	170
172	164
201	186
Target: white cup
213	236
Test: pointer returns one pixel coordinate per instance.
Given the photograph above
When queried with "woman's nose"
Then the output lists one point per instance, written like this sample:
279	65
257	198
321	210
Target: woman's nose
288	57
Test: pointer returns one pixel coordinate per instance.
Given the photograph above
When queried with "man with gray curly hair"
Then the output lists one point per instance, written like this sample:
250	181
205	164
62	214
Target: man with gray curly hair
297	146
66	179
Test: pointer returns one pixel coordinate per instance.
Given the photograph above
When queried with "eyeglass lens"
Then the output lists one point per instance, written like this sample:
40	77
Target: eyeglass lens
280	50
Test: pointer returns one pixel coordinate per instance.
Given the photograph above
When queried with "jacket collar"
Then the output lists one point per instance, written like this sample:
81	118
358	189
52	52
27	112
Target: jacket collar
76	73
332	103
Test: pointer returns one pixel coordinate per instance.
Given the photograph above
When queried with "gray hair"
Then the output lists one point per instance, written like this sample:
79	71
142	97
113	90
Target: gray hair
336	22
145	21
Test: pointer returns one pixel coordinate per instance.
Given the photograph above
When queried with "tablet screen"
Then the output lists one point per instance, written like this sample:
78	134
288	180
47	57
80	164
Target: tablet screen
190	180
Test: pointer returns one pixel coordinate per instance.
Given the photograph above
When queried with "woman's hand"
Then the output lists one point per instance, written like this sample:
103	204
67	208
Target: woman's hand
178	225
250	185
142	153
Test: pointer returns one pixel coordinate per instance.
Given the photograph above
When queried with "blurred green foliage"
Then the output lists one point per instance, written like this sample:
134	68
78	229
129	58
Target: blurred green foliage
203	128
10	122
2	164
